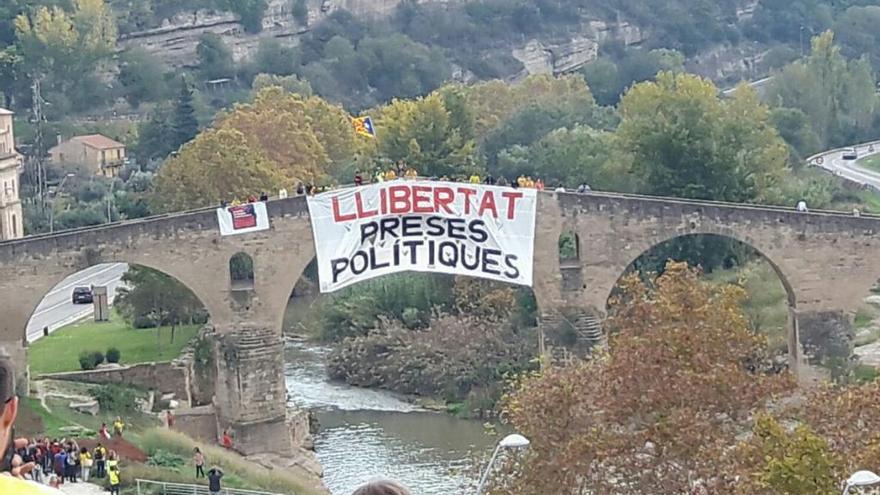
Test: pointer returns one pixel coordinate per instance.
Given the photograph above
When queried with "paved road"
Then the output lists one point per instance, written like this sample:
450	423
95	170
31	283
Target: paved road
57	309
833	162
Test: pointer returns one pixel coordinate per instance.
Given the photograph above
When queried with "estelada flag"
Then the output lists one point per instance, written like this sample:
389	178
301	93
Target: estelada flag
364	126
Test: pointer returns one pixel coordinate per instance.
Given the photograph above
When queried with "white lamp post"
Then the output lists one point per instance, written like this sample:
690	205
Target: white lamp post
861	478
514	441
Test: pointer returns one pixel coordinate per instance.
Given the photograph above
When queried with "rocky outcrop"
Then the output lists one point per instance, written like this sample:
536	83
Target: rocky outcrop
561	58
538	58
176	39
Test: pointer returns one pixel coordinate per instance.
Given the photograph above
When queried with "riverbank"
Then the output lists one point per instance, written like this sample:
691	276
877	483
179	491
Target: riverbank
365	433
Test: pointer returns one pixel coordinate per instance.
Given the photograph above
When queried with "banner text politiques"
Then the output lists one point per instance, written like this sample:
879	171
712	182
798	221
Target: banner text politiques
444	227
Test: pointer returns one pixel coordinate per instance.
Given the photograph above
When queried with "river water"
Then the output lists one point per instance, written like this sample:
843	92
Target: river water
366	433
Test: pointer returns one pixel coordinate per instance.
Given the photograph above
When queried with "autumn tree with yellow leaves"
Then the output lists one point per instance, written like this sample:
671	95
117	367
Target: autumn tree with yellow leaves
658	413
219	164
283	140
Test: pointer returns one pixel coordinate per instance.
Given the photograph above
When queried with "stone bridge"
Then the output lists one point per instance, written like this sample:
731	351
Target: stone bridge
824	259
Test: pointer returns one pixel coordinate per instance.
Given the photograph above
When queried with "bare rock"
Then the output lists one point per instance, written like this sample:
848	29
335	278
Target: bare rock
90	407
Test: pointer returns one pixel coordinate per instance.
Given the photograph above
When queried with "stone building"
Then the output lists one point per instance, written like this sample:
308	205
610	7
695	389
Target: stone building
10	172
99	154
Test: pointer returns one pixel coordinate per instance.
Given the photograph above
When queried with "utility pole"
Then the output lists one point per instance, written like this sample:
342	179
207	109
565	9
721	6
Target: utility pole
38	142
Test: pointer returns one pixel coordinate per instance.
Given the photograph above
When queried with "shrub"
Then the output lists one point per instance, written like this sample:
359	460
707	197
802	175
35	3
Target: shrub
143	321
115	398
87	360
166	459
98	357
113	355
200	317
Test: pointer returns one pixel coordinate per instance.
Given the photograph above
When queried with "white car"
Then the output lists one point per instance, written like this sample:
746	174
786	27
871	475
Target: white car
849	154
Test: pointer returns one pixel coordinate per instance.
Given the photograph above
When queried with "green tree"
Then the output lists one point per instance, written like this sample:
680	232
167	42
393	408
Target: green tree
155	138
153	295
64	49
291	84
183	123
300	11
788	462
838	96
250	12
796	129
274	58
604	80
569	157
420	133
684	141
141	77
214	57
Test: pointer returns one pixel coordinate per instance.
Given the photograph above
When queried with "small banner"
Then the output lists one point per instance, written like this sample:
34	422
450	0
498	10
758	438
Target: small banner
242	219
427	226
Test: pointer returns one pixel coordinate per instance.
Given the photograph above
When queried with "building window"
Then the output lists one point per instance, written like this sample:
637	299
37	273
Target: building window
14	226
13	187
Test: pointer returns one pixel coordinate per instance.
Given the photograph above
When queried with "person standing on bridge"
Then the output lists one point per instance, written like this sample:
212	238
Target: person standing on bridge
802	206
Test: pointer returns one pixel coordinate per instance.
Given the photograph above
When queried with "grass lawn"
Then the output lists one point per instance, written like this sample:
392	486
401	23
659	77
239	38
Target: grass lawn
60	350
871	162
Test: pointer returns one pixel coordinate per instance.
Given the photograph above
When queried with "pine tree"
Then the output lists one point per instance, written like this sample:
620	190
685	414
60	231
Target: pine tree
184	125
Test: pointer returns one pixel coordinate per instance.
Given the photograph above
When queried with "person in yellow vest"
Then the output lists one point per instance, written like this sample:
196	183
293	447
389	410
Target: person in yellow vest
380	176
118	426
390	174
530	184
475	178
100	456
411	174
521	181
113	473
8	411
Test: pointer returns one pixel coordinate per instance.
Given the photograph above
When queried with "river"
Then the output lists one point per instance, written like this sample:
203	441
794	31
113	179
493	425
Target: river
367	433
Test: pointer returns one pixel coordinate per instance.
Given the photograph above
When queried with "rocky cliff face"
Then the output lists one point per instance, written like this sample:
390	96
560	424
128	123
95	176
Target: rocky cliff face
176	39
540	58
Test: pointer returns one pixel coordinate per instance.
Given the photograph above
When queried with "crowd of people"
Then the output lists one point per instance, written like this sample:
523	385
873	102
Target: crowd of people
55	462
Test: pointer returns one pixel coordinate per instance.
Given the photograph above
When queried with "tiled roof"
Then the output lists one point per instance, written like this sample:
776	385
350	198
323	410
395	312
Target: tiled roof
98	141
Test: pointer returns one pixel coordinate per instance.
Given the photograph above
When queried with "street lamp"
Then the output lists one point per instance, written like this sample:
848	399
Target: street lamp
52	209
861	478
514	441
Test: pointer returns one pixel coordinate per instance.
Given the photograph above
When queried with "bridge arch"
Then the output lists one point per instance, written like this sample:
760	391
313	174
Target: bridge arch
790	327
57	283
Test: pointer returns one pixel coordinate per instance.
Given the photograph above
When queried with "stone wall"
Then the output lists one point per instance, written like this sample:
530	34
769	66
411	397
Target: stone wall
165	378
197	422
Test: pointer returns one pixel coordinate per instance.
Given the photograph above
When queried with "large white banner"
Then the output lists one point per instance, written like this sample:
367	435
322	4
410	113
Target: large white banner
428	226
242	219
